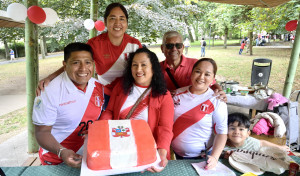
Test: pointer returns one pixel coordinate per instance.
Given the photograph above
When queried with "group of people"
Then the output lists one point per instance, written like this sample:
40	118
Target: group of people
187	45
178	97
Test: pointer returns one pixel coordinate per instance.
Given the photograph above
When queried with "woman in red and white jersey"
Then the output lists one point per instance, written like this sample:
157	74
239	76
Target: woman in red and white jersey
200	120
143	85
110	49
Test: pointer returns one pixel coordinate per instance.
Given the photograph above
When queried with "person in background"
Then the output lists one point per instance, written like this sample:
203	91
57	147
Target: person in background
111	49
257	41
239	135
242	47
200	120
203	45
72	98
12	55
144	81
187	44
177	68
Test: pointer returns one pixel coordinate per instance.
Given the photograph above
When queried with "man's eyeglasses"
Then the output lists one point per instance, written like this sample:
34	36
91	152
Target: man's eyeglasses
171	45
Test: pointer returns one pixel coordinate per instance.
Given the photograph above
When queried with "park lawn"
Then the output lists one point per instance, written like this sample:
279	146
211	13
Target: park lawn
231	66
217	42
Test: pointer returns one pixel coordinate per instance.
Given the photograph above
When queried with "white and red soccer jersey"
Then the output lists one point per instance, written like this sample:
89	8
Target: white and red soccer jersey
141	112
110	60
196	119
63	106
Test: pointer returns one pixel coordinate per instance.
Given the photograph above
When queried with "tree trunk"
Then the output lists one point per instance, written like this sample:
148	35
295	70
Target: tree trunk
42	48
16	51
225	38
45	45
197	30
189	30
230	35
251	41
7	56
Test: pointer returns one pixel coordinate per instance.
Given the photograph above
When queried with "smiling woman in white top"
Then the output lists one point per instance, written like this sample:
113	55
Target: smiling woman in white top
200	120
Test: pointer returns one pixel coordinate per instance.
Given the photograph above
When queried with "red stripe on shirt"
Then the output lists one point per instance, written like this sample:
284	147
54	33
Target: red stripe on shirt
73	141
142	106
191	117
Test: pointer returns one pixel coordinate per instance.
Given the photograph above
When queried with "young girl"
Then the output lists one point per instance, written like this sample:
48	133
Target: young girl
242	47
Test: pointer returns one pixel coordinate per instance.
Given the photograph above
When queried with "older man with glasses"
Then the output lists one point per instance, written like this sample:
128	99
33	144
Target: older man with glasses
177	68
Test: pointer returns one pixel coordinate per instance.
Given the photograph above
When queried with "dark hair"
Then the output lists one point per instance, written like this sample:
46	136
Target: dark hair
77	46
158	84
112	6
242	119
208	60
202	38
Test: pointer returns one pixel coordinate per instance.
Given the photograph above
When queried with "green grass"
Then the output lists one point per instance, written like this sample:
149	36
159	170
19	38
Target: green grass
13	121
18	69
218	42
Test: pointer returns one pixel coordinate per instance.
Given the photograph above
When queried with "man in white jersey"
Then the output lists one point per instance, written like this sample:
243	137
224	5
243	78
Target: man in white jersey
71	101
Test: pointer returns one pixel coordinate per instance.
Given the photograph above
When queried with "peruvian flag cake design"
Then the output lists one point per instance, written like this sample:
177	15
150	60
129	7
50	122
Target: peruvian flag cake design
114	144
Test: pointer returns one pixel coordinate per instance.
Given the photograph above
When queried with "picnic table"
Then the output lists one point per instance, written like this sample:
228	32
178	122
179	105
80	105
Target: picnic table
174	168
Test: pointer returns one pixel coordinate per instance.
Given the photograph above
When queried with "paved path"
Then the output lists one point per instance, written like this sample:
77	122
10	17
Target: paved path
13	152
10	103
23	59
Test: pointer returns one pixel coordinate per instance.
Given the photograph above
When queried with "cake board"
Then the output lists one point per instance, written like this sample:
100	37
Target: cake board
245	167
86	171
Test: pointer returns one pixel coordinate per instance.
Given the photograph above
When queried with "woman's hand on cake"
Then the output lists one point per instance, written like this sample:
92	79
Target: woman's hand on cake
163	163
71	158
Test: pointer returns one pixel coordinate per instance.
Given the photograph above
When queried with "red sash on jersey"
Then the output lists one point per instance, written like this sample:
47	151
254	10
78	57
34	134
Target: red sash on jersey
73	141
191	117
142	105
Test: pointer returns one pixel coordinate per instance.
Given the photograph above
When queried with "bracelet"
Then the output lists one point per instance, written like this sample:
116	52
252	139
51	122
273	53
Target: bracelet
60	150
214	157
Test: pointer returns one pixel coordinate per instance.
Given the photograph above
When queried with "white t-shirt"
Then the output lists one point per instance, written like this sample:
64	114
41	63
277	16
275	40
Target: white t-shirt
63	106
250	143
196	119
202	41
141	112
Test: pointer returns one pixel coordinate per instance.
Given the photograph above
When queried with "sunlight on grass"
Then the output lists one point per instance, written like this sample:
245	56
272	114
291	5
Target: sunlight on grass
18	69
13	121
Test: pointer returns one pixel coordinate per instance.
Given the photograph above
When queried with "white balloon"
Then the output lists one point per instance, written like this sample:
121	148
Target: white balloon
17	11
89	24
51	16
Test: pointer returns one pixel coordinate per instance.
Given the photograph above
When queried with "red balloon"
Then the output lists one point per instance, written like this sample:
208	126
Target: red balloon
291	25
99	25
36	14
